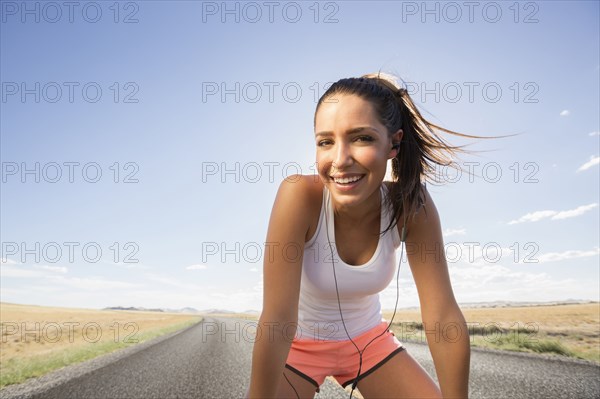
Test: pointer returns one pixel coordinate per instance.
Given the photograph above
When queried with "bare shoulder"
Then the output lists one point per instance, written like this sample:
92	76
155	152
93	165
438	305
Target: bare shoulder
305	190
425	224
304	183
302	195
425	211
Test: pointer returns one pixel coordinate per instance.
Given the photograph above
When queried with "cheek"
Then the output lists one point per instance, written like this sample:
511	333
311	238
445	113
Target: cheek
368	157
371	157
323	163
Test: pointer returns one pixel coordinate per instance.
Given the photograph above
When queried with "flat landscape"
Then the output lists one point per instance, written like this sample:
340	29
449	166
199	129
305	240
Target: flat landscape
571	330
199	361
39	339
36	339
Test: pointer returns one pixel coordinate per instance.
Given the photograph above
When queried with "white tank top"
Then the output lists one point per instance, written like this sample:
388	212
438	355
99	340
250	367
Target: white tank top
359	286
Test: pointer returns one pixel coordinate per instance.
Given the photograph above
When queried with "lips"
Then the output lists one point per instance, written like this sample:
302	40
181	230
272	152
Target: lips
347	179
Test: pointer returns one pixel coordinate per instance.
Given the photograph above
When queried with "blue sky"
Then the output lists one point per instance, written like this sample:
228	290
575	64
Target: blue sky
172	105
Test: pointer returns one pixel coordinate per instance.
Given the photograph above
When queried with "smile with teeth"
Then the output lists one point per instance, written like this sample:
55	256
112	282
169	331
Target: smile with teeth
347	180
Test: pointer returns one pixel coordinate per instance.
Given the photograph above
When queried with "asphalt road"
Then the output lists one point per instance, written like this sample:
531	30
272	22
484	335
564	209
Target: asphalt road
212	359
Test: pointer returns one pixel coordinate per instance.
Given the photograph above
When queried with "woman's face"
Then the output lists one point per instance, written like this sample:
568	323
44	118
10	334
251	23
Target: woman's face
352	148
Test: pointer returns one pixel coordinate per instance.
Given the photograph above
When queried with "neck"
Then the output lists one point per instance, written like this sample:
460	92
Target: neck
360	214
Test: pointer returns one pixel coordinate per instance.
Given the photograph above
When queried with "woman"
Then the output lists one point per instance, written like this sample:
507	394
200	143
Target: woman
321	312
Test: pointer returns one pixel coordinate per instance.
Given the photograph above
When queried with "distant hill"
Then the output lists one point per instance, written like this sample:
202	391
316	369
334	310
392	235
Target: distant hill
465	305
209	311
182	310
141	309
508	304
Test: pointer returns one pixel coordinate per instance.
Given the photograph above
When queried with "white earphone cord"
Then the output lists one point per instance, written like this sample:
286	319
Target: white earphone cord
360	353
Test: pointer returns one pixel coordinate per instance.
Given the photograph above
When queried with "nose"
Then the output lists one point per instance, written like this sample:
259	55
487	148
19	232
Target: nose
343	156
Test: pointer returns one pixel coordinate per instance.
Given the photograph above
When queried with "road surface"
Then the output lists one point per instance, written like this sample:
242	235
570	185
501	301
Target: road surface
212	359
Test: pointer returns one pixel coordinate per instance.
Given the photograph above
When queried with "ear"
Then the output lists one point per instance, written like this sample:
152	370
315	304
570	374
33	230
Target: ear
395	141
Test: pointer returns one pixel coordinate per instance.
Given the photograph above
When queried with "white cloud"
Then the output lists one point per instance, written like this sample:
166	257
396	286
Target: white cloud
454	232
18	270
196	267
580	210
129	265
534	216
165	280
93	283
565	112
493	282
56	278
6	261
593	161
570	254
497	282
594	133
254	269
240	300
553	215
492	253
137	266
55	269
7	272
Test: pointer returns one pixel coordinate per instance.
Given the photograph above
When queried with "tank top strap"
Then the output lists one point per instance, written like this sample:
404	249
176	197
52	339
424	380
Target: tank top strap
388	216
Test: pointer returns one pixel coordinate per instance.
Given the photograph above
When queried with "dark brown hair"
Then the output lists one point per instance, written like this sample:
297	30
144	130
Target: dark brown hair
421	148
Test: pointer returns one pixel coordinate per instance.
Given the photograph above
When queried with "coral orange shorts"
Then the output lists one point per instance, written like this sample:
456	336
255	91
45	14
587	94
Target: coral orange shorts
314	360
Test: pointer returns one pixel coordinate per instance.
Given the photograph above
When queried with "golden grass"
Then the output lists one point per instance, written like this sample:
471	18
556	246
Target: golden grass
245	316
37	339
574	328
570	330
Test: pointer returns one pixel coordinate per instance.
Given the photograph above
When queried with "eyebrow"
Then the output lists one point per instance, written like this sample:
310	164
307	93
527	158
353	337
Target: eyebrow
349	131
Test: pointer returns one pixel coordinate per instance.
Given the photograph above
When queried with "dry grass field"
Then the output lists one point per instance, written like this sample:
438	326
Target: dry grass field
566	330
569	330
39	339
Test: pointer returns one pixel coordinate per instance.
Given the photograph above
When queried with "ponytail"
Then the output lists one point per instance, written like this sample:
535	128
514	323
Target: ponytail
421	148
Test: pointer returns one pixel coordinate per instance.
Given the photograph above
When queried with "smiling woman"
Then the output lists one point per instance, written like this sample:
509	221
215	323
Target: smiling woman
348	223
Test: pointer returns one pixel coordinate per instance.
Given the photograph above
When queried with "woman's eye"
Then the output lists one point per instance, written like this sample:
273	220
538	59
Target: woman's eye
323	143
365	138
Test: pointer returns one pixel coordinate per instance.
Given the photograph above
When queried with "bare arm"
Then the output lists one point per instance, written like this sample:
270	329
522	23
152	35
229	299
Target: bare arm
443	321
282	272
